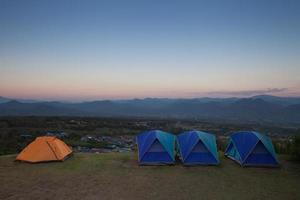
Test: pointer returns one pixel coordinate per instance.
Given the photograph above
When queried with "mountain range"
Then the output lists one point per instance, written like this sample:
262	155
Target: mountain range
263	108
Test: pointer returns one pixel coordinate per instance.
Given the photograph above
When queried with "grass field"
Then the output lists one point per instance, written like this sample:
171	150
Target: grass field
117	176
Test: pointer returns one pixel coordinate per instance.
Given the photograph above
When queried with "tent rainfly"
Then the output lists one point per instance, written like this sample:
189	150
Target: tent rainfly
197	148
249	148
156	148
44	149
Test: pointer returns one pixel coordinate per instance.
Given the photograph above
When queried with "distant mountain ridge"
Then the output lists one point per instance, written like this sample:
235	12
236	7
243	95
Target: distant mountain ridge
279	100
5	100
257	108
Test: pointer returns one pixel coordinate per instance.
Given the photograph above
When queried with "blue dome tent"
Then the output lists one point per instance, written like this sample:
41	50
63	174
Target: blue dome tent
156	148
197	148
250	148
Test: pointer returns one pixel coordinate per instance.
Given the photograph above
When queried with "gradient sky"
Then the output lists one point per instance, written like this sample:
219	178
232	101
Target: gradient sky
86	50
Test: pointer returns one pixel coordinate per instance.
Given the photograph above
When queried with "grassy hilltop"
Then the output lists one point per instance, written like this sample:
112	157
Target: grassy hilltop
118	176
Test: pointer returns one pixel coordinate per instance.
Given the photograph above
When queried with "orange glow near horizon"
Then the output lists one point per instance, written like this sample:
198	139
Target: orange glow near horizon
106	92
92	84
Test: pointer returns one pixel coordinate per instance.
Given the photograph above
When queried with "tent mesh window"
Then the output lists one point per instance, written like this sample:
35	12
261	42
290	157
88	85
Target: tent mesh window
156	147
200	148
260	149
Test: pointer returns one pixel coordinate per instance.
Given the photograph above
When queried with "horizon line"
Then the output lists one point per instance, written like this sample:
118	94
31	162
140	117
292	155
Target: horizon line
137	98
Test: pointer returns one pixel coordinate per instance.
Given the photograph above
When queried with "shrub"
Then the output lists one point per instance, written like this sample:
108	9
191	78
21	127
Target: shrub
296	149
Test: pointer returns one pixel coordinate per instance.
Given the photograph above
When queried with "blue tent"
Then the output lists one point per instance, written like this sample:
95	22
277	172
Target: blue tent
197	148
156	148
250	148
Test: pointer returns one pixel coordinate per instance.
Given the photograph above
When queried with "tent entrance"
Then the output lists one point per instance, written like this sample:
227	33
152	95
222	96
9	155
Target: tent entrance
260	156
156	147
156	154
200	155
260	149
199	148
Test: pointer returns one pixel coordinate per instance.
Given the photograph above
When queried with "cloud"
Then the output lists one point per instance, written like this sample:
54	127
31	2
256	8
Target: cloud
245	93
249	92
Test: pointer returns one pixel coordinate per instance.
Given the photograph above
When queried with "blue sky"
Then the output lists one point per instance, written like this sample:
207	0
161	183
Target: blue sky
82	50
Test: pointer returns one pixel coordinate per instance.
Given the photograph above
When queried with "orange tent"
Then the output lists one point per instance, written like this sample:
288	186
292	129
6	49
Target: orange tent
46	148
